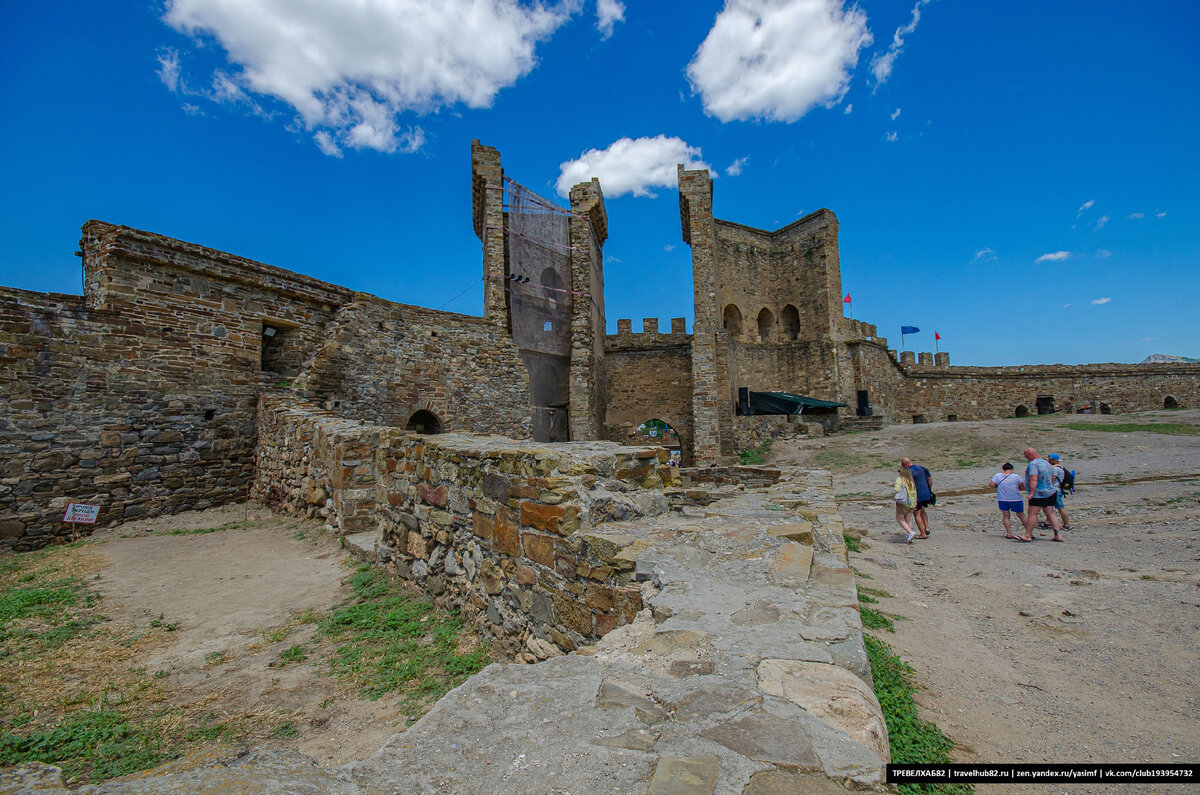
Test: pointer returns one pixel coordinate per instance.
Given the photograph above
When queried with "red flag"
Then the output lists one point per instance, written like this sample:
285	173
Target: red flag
846	300
937	336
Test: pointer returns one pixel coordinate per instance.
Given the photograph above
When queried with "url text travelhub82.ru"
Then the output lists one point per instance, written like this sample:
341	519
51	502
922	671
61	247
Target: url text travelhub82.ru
1031	774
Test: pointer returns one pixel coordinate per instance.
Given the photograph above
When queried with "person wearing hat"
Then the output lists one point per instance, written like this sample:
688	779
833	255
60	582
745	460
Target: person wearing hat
1058	475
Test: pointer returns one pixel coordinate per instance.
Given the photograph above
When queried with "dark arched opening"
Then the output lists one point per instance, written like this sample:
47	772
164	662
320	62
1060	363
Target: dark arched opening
425	422
791	322
733	320
1022	411
766	321
1105	408
1170	403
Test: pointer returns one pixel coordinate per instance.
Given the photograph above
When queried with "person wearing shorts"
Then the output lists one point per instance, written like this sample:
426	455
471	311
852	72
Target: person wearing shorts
1059	472
1039	485
1008	485
924	482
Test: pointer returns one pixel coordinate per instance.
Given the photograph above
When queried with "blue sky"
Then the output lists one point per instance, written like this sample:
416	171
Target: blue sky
1020	177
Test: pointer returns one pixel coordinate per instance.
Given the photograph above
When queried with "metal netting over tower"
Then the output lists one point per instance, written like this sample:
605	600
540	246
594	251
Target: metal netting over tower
539	264
540	301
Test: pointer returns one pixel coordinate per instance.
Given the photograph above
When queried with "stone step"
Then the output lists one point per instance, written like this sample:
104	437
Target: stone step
363	545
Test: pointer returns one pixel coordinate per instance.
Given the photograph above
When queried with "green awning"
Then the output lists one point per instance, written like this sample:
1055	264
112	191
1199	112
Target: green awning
784	403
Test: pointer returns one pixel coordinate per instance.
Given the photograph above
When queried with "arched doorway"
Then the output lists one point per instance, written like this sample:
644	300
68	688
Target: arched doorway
1170	403
1105	408
660	434
1022	411
733	320
791	322
424	422
766	322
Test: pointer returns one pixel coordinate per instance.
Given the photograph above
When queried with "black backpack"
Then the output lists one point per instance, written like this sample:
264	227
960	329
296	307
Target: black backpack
1068	480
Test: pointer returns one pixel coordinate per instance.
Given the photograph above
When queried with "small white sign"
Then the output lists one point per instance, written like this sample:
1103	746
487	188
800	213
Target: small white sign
653	432
80	513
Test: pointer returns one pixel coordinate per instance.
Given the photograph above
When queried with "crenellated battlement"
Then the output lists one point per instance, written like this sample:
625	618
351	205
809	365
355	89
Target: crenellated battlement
650	337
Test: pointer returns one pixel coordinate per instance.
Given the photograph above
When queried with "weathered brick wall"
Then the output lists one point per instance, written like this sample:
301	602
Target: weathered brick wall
649	376
937	393
510	532
753	431
382	362
110	408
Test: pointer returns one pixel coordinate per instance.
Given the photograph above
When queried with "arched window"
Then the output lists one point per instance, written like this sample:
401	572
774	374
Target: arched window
1022	411
1105	408
791	322
766	321
424	422
733	320
1170	403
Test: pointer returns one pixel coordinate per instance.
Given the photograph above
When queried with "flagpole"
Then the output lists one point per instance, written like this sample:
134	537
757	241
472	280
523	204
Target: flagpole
902	338
935	343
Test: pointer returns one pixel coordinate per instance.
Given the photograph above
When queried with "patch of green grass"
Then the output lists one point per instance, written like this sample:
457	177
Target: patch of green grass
389	642
862	574
853	543
89	744
1184	498
840	461
866	598
285	729
755	455
854	495
200	531
875	592
875	619
39	611
1170	428
215	657
913	741
296	654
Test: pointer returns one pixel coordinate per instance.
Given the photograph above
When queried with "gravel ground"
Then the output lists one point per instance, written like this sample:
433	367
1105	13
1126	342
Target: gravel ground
1085	651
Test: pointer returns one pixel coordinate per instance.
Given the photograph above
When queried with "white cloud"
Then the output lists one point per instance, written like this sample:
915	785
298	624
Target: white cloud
350	68
1083	208
849	109
1136	216
168	69
669	248
631	166
608	14
1161	214
734	169
1149	339
777	59
984	255
882	64
1103	253
895	114
891	137
1102	220
192	110
326	143
1053	256
1066	306
1100	301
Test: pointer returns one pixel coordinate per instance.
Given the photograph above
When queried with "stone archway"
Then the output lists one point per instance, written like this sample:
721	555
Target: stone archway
1170	402
1022	411
424	422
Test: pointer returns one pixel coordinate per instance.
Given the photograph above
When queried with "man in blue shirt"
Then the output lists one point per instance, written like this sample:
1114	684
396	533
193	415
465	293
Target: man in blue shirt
924	482
1043	494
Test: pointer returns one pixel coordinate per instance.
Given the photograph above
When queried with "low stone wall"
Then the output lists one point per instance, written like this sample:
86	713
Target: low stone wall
503	530
752	477
753	431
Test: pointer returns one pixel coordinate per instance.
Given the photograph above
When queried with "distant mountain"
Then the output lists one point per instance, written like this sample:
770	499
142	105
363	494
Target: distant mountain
1157	358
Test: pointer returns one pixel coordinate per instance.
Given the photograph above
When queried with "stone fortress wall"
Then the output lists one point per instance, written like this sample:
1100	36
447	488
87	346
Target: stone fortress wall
142	394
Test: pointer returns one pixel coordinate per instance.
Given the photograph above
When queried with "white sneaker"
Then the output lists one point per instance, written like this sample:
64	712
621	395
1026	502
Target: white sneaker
908	538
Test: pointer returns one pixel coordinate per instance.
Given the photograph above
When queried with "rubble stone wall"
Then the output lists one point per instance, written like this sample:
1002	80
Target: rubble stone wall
649	376
382	362
509	532
934	393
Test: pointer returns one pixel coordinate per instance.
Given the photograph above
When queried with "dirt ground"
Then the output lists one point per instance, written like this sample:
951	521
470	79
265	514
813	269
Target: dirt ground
1085	651
236	599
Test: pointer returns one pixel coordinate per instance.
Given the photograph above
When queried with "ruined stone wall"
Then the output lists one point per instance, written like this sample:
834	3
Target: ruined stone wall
935	393
382	362
649	376
108	408
510	532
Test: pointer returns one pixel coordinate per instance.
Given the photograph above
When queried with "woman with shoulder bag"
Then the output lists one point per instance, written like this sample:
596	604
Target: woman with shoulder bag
905	497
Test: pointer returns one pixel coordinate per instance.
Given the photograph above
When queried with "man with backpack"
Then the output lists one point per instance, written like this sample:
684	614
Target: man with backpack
1064	481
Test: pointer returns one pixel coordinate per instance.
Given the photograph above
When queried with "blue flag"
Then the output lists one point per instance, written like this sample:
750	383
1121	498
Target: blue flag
909	330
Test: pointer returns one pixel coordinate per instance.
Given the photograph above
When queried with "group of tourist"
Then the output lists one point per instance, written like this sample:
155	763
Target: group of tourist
1044	482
